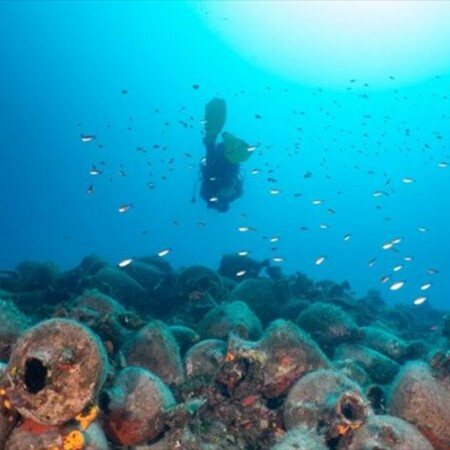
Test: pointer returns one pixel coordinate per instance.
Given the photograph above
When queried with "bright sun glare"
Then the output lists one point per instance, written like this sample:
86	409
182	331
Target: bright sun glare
330	42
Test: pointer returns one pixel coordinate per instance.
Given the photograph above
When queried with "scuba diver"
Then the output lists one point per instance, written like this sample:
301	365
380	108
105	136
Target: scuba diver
221	181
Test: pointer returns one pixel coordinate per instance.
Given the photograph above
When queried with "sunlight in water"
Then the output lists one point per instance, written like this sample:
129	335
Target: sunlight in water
330	42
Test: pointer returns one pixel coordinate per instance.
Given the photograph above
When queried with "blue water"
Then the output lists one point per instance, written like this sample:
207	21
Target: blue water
64	67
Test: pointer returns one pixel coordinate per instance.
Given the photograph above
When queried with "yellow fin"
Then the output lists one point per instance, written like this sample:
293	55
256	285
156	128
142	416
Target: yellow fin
236	150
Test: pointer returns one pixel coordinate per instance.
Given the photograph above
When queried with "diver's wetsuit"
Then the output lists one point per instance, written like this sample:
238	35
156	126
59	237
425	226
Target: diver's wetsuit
221	183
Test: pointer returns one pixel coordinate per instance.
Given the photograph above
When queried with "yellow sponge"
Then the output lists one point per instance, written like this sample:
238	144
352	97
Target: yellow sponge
73	441
86	417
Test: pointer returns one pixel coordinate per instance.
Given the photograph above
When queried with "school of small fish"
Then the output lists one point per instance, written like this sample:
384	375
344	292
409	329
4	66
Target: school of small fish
160	160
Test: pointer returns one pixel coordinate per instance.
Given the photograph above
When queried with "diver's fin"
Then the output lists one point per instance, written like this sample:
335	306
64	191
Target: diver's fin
215	116
236	149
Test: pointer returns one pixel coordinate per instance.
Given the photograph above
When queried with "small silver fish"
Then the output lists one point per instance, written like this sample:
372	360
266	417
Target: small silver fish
125	207
94	171
397	285
320	260
87	137
164	252
419	300
125	262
